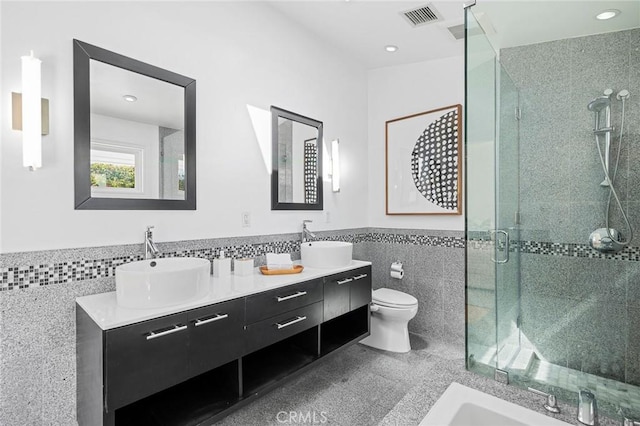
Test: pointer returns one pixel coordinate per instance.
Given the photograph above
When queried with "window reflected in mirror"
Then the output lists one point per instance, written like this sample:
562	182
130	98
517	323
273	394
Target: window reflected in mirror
116	170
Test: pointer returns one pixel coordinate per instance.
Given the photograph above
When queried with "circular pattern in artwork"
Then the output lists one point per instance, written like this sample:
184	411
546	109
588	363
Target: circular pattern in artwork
434	162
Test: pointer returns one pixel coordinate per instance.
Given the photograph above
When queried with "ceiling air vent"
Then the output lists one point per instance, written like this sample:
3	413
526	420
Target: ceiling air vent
457	31
422	15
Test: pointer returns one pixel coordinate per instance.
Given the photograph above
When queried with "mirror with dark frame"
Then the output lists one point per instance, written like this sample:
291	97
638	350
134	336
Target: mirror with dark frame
135	142
296	152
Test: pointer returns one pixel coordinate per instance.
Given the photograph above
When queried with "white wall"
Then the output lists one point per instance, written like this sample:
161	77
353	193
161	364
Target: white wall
396	92
242	55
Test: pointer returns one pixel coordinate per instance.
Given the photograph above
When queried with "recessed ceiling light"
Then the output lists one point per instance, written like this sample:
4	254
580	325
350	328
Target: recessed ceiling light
608	14
391	48
130	98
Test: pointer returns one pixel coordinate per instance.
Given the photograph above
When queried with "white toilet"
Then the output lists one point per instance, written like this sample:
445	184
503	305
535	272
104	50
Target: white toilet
391	311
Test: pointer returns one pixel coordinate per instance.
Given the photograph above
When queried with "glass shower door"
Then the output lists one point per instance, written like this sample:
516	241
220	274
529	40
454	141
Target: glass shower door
492	169
507	236
480	196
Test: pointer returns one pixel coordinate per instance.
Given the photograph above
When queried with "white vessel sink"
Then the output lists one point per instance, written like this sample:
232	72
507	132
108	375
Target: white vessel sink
326	254
157	283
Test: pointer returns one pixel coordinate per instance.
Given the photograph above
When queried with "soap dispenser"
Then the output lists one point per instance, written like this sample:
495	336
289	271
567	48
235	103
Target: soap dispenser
222	266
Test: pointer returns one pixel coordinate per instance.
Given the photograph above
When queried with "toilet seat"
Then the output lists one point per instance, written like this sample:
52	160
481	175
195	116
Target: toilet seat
393	298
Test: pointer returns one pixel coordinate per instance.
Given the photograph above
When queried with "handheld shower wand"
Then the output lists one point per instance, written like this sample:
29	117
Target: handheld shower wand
602	105
608	240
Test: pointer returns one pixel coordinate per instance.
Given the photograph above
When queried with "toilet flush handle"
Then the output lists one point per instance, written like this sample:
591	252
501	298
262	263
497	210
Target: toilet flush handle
373	307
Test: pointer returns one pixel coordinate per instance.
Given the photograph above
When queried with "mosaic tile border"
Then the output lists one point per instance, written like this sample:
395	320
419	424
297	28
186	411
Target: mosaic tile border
559	249
576	250
22	277
420	240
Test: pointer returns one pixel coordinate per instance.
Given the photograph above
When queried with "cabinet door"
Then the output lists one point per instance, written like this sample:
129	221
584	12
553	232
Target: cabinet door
360	288
144	358
273	302
216	335
336	296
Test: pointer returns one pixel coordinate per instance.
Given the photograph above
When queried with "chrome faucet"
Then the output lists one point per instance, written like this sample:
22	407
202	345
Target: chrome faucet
150	249
587	408
551	405
306	234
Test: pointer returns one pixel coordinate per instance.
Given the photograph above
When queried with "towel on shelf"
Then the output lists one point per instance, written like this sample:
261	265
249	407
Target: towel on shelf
279	261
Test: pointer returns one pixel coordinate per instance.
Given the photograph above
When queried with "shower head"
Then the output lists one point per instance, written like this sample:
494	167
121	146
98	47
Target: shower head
622	95
599	103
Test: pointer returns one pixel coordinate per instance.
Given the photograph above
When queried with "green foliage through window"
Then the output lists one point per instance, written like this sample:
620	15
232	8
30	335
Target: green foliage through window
113	176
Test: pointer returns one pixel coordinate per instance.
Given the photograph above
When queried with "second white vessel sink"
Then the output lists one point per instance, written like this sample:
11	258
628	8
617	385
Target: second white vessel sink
157	283
326	254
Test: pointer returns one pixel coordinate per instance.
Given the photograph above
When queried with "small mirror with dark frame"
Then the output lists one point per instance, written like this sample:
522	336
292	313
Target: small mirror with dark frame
135	133
296	157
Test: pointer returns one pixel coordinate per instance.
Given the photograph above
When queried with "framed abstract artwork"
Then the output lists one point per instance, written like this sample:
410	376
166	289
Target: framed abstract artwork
423	163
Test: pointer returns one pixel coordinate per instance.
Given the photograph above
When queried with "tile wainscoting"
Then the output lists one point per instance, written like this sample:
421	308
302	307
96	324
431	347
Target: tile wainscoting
38	291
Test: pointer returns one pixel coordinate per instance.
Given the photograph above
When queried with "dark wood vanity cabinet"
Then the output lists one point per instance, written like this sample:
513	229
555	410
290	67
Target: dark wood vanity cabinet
210	359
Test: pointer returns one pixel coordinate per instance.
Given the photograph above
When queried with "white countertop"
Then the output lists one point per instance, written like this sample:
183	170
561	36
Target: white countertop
104	310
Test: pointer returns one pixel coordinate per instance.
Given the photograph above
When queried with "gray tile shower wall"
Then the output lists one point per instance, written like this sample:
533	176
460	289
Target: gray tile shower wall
560	172
579	307
37	304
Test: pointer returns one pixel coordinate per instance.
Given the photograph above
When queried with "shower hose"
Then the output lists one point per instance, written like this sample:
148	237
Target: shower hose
612	191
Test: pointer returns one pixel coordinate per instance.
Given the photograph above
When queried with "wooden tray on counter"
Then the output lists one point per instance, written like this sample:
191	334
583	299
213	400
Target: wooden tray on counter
296	270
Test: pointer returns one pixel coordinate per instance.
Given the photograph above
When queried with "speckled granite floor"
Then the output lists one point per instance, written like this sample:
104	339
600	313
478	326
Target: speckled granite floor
358	386
362	386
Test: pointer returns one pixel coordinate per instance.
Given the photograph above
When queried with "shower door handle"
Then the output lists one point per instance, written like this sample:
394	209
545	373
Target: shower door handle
495	232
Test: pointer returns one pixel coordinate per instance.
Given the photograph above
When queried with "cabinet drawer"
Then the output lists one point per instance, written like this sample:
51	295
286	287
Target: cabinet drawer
144	358
274	302
272	330
215	336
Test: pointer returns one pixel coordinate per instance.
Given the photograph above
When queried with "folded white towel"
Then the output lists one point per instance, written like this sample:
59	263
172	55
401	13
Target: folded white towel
279	261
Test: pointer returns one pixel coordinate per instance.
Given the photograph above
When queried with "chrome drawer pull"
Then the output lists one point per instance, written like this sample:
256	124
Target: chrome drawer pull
175	329
348	280
293	296
359	277
212	319
293	321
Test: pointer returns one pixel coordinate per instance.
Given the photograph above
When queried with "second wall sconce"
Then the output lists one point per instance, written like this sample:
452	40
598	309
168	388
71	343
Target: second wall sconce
30	113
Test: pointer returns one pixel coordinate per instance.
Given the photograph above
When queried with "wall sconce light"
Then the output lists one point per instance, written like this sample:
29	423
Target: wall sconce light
30	113
335	165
